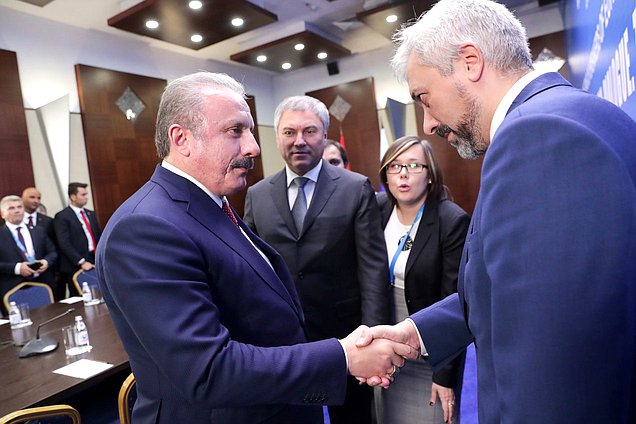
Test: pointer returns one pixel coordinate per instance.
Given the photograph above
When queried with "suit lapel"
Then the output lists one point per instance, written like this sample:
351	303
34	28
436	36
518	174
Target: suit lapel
424	233
6	234
203	209
278	191
325	186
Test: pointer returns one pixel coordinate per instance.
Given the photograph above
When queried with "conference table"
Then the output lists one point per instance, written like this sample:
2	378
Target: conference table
26	382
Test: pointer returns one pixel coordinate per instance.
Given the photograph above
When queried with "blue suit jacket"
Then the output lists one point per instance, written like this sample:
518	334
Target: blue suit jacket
202	315
547	284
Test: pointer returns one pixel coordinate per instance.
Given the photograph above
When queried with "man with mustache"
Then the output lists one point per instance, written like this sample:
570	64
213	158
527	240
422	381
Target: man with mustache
327	229
206	310
547	281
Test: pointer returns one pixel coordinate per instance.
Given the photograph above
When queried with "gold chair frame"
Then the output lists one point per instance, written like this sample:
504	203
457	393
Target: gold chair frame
122	402
27	414
5	299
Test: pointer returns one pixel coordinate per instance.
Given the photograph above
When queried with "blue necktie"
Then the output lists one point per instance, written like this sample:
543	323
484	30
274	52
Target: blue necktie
299	210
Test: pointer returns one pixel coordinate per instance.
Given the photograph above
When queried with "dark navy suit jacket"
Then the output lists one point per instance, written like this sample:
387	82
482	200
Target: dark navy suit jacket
338	260
203	316
547	284
71	239
10	254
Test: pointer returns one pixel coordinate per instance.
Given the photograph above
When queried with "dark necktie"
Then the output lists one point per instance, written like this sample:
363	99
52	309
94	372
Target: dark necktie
88	227
30	222
23	248
228	211
299	210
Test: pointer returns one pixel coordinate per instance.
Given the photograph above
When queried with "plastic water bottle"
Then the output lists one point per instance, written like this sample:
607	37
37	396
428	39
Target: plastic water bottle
81	335
86	293
14	315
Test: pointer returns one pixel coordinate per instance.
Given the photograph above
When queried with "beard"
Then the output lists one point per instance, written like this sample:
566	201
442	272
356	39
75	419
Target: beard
469	140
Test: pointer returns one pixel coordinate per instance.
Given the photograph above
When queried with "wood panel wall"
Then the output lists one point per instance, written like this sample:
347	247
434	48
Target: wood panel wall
121	153
16	170
360	126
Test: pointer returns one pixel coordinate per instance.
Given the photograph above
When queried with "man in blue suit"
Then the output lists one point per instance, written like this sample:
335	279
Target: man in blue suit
206	310
547	284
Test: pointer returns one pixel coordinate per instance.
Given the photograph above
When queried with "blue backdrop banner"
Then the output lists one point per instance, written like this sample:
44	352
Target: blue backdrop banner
601	45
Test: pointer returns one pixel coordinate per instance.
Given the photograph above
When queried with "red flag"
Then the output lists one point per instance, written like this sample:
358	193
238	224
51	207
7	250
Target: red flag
342	143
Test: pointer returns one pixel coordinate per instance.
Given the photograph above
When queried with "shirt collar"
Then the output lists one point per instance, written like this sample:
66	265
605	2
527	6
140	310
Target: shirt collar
170	167
12	227
312	174
506	101
76	209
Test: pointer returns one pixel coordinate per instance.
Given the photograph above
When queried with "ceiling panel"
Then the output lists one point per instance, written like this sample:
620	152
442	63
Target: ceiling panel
178	22
404	11
283	51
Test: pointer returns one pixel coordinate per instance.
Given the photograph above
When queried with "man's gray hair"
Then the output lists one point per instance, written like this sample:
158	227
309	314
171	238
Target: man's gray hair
183	103
7	199
302	104
438	34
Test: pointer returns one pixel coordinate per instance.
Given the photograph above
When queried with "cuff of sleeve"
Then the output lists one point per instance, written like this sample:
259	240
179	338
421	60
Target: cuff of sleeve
422	347
16	269
81	261
345	355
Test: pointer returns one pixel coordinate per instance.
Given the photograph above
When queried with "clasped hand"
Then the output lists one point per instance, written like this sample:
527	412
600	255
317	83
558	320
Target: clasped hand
376	354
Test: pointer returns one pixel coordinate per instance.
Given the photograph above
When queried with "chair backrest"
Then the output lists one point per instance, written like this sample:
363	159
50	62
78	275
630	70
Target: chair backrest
33	294
126	400
82	276
43	413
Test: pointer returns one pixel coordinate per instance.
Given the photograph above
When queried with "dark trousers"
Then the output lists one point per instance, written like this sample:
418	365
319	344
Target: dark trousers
357	405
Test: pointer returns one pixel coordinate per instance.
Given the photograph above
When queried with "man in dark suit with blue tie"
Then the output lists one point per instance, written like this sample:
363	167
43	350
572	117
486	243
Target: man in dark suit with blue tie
25	254
335	250
547	282
77	233
206	310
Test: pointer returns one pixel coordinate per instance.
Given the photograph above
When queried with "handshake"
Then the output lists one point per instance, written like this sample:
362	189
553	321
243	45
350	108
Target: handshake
376	354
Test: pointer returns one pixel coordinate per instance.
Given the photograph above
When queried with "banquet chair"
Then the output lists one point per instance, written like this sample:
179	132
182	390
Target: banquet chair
82	276
126	400
33	294
44	415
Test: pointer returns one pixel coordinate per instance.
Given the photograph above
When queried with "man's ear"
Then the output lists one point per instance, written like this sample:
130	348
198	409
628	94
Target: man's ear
180	139
470	62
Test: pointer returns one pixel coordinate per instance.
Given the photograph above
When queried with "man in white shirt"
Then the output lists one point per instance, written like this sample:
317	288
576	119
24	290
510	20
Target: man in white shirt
25	254
77	233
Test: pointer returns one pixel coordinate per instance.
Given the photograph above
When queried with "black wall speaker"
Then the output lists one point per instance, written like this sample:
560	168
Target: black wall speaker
332	68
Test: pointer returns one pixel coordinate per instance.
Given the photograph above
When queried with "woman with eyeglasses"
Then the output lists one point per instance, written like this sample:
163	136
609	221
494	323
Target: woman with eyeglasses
424	232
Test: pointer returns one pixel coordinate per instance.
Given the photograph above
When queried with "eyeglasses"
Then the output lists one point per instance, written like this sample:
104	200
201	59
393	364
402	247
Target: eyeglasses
411	168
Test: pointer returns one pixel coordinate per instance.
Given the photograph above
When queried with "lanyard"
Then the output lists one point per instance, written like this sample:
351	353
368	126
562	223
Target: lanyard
28	257
403	242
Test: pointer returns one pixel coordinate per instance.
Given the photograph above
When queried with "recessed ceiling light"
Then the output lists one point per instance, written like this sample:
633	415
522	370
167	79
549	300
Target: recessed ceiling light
237	22
321	55
196	38
152	24
391	18
195	4
261	58
299	46
286	65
